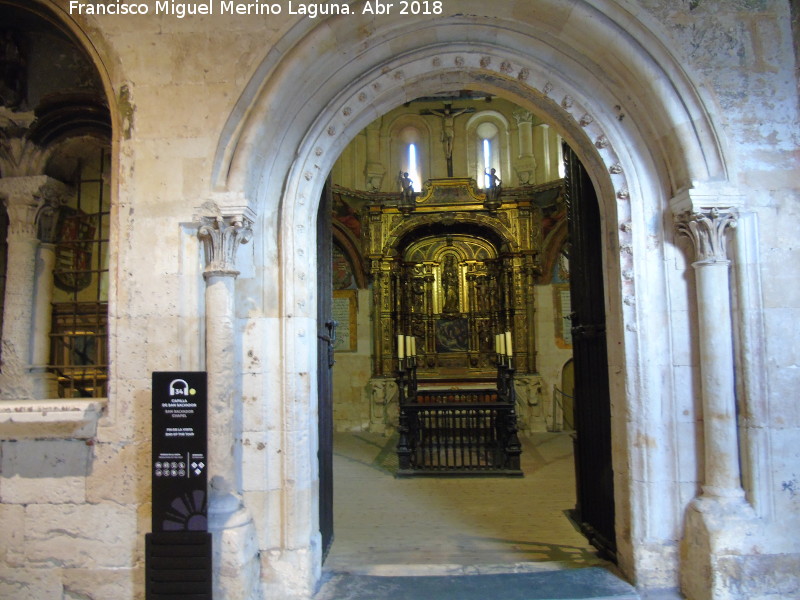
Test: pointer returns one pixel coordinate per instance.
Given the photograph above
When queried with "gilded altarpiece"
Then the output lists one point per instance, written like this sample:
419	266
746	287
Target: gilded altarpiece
453	270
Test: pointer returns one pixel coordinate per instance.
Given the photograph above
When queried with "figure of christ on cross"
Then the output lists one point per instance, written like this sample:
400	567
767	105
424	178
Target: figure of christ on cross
448	116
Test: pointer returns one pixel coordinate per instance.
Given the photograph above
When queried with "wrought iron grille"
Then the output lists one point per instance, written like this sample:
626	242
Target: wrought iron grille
462	437
453	396
79	330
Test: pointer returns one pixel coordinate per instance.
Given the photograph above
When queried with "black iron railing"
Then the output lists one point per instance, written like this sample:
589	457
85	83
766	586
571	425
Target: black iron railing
455	396
457	432
459	438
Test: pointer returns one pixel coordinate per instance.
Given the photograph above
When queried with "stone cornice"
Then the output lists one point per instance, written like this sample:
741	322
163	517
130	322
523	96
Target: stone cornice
50	419
702	197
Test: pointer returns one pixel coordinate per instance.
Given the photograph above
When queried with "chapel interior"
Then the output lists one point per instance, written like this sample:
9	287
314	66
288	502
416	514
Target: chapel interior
461	262
452	303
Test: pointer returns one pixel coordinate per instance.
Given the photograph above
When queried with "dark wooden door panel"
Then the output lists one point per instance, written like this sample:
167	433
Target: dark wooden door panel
324	366
595	483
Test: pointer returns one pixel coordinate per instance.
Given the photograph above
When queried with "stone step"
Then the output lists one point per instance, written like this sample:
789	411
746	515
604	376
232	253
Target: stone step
593	583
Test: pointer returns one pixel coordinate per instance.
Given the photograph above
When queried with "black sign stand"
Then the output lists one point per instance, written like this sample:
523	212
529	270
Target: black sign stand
178	551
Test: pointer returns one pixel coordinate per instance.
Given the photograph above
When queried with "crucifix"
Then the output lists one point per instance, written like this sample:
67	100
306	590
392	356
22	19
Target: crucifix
448	116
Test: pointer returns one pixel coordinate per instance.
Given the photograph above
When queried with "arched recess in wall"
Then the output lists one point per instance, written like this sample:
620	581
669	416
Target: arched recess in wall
488	128
641	142
399	135
57	131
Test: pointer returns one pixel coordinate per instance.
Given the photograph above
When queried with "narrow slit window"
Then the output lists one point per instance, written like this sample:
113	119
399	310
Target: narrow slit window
487	162
487	152
413	170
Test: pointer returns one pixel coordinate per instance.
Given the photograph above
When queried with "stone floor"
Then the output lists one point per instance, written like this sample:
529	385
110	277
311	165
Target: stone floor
391	531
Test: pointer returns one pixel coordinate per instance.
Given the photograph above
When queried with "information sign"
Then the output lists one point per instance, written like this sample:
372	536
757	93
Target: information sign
180	459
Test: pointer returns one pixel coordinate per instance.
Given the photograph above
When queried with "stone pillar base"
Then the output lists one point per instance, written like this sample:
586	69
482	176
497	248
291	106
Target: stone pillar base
717	528
235	556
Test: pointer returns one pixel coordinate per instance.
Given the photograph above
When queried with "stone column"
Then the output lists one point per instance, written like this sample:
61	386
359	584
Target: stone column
374	169
526	163
719	521
45	383
24	198
711	266
235	548
541	145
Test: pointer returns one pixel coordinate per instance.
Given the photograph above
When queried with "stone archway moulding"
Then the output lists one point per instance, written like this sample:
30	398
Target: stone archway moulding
641	140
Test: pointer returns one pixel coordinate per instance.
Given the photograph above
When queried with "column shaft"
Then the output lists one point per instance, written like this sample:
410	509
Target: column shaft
17	307
220	365
722	476
707	233
44	382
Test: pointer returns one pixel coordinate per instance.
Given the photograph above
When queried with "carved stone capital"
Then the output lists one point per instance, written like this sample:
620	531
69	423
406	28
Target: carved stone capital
20	157
27	199
221	235
523	116
706	230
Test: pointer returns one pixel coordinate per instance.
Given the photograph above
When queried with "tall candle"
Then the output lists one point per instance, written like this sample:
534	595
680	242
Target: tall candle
413	346
502	340
509	349
400	346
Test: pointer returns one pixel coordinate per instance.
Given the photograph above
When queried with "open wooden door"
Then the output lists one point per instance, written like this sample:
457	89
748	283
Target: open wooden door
594	475
325	336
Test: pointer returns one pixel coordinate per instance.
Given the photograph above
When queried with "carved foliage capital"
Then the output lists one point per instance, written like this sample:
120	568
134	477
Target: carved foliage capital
707	230
20	157
221	236
523	116
26	199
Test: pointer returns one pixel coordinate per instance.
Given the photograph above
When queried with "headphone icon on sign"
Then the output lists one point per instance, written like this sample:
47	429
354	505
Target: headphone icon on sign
179	387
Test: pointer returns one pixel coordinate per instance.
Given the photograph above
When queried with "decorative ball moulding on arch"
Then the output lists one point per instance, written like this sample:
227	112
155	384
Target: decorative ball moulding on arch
501	66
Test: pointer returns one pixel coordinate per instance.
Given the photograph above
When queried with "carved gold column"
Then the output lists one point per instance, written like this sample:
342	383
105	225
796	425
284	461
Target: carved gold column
235	548
529	273
711	266
377	299
430	332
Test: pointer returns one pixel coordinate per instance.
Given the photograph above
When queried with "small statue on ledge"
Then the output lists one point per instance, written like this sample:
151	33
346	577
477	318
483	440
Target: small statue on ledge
493	191
406	194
